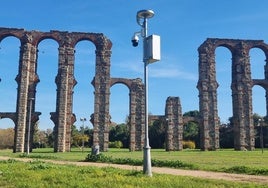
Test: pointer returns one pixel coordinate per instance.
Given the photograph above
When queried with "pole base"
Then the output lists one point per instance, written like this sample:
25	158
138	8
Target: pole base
147	165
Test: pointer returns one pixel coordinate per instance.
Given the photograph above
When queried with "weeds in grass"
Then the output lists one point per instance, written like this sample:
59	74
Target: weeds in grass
247	170
47	175
136	162
24	155
173	164
39	165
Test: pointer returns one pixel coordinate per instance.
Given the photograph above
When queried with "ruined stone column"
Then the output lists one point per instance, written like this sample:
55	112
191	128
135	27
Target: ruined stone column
22	99
69	111
33	80
137	113
132	120
101	83
63	118
266	88
242	100
207	86
174	124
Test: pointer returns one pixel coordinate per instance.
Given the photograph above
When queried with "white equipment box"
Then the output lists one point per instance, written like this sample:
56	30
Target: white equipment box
152	48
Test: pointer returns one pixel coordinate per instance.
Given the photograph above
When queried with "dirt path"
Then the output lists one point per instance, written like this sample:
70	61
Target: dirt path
178	172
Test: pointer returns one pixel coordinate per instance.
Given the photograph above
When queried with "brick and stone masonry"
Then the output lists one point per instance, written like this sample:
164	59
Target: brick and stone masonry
63	117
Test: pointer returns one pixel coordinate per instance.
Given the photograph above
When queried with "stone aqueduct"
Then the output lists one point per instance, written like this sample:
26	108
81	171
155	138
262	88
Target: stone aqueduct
241	87
63	117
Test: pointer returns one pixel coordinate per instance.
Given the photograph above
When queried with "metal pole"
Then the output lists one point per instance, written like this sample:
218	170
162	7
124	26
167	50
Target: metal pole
29	126
83	142
147	169
145	14
261	135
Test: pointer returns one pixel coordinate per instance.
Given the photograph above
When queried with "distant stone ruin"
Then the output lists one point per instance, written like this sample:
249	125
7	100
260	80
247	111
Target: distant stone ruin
241	86
63	118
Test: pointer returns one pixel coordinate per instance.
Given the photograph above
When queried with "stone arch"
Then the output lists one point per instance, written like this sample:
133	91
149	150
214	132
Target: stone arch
263	82
63	118
9	115
124	81
45	71
8	73
223	59
136	111
241	92
84	50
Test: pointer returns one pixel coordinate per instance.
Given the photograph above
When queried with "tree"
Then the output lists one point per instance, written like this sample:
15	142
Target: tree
89	132
50	137
157	134
6	138
193	113
119	132
260	125
227	132
79	136
191	129
227	135
42	138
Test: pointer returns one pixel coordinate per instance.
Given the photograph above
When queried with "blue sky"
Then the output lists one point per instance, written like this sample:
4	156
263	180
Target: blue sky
183	26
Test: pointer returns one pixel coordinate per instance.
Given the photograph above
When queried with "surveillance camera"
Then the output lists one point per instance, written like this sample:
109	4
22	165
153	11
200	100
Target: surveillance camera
135	40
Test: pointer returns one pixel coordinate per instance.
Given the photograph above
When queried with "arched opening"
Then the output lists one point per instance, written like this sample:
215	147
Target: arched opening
119	104
257	62
47	67
7	134
223	75
259	119
191	130
119	111
223	58
9	61
83	96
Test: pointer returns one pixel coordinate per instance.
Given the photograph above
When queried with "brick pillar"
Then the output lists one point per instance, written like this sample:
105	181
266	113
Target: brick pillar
101	83
132	120
174	124
33	80
137	113
207	86
70	117
242	100
22	99
266	88
63	118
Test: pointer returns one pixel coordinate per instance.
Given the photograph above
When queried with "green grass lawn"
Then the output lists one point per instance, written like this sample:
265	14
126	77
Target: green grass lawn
42	174
209	160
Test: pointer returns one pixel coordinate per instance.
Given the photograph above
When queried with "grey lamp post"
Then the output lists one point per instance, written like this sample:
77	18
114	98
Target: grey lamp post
29	125
151	53
83	142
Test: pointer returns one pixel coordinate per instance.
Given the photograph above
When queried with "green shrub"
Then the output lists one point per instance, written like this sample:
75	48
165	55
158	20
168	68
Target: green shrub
39	165
99	158
136	162
173	164
115	144
37	156
188	144
247	170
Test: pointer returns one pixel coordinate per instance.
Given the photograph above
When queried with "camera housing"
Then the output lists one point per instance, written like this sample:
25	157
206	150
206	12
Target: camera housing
135	40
